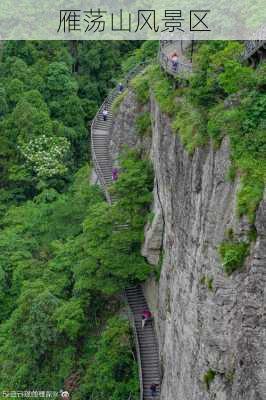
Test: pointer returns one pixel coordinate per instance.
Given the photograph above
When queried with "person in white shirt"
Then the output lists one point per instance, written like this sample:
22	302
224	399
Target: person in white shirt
105	114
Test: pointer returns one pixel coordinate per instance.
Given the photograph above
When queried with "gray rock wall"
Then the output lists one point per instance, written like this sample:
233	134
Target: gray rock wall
123	130
223	329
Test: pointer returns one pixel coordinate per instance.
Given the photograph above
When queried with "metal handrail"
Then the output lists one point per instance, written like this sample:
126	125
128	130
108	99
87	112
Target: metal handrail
136	338
109	99
166	63
138	357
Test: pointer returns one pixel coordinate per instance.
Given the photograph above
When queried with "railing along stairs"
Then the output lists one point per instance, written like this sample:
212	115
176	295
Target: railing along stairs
145	339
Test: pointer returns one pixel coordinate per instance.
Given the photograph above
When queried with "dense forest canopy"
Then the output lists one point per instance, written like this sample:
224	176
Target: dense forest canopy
57	293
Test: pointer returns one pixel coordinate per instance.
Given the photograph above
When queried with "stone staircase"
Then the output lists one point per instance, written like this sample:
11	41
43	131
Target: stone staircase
146	343
100	141
100	137
148	348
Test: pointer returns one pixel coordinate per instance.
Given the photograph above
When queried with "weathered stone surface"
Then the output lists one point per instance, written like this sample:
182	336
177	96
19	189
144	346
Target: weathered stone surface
152	245
123	130
223	329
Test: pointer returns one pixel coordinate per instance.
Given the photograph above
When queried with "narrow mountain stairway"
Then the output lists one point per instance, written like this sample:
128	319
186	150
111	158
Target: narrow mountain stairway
146	339
148	347
101	141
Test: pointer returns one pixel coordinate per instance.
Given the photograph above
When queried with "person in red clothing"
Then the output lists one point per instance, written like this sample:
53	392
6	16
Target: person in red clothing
146	316
174	59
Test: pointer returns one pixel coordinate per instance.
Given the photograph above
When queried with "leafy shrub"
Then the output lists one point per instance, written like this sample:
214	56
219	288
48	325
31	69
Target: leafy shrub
236	77
231	173
70	318
230	234
261	75
119	99
161	86
151	216
147	51
189	124
113	374
164	95
252	234
143	124
46	155
141	87
208	377
233	255
163	90
249	197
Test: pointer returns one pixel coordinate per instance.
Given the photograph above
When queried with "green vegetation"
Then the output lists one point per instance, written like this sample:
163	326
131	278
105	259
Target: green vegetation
208	377
252	234
163	90
233	255
111	374
44	110
230	376
249	196
146	53
158	268
117	102
231	173
117	251
207	281
230	234
141	87
143	124
60	276
161	86
189	123
59	242
224	97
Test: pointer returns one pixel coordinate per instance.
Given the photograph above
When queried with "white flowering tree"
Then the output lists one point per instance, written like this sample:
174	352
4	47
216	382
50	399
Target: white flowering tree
47	155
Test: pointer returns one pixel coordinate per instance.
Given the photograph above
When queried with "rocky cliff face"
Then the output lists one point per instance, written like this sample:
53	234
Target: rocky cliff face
220	329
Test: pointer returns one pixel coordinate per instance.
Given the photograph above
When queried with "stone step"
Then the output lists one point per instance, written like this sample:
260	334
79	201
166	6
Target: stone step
135	302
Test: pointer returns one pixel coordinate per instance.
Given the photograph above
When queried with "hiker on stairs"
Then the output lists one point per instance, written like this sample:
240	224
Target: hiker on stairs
105	114
114	174
153	389
146	316
174	59
120	87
